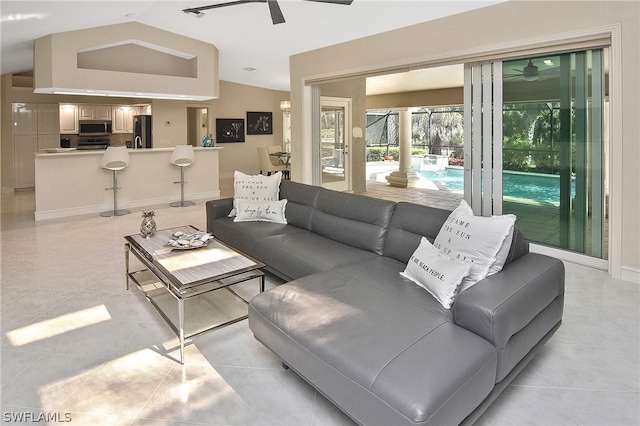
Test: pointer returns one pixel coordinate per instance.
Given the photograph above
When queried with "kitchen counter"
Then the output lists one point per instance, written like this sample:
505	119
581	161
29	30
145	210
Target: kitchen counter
72	182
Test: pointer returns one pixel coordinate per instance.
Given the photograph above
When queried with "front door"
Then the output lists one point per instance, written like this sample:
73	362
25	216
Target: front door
335	119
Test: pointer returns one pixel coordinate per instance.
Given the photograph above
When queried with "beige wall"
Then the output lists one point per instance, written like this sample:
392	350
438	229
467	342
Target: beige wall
482	34
234	102
438	97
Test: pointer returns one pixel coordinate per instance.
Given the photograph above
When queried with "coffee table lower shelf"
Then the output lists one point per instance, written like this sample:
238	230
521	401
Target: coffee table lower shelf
204	308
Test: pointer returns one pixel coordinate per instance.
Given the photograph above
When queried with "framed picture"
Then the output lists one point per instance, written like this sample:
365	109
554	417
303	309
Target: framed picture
229	130
259	123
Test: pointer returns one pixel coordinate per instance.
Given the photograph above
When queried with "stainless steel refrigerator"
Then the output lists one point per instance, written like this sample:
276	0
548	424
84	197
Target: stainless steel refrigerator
142	131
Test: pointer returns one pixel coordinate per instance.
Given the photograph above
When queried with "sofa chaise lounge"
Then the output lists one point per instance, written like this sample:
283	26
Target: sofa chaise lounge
381	348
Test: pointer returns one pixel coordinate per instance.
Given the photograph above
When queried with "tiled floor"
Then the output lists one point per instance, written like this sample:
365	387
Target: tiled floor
76	343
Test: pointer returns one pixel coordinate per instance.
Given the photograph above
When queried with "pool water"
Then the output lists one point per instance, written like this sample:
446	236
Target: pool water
528	186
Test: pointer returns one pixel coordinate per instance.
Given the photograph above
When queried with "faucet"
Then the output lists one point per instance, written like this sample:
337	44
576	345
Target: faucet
137	142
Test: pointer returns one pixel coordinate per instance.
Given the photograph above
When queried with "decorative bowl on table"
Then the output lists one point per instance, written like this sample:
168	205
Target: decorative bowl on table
182	241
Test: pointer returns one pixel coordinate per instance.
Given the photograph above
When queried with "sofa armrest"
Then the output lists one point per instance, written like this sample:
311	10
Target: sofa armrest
502	304
217	209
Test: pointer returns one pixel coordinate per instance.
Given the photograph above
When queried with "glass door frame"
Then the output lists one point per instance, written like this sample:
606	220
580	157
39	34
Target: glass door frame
346	105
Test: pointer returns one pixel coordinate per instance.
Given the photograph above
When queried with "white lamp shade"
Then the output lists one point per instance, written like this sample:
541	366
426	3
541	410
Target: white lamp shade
182	155
115	158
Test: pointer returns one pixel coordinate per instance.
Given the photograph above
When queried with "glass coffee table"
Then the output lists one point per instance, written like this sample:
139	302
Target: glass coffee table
194	290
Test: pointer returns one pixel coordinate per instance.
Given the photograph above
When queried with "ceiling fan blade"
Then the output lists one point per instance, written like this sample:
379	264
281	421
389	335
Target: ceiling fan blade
344	2
215	6
276	13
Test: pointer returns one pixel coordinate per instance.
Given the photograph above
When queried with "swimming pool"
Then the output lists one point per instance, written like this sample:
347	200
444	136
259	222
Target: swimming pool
529	186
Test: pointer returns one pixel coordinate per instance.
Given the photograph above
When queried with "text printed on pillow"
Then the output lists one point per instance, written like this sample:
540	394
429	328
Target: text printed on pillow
430	271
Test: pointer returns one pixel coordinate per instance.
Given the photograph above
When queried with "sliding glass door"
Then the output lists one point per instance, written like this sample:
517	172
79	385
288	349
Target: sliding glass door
537	148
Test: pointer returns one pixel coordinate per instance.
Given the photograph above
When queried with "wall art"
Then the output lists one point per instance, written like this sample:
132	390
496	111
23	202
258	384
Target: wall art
259	123
229	130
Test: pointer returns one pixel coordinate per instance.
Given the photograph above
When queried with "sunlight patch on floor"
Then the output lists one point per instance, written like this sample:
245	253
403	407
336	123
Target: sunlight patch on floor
58	325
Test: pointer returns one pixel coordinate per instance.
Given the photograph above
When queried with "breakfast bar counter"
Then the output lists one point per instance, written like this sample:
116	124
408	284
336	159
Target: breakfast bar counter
72	182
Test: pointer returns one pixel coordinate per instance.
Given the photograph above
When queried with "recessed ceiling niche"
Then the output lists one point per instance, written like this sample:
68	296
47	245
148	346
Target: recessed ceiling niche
126	60
149	59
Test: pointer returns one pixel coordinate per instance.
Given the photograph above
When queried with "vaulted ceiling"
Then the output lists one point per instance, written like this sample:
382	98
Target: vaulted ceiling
253	50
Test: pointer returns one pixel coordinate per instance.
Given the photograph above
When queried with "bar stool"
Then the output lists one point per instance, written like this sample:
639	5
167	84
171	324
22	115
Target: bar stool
115	159
182	157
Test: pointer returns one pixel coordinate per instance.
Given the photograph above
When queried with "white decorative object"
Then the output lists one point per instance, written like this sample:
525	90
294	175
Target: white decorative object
261	211
438	274
474	239
255	188
181	241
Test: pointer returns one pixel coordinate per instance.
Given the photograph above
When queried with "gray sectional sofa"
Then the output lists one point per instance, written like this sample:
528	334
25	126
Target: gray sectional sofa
378	346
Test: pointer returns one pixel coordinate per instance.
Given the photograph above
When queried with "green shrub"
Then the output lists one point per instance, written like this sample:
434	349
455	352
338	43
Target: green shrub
378	153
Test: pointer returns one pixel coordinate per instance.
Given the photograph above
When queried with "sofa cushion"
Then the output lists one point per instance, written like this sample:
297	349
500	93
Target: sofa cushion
301	199
436	273
383	273
298	254
245	236
355	220
409	356
411	222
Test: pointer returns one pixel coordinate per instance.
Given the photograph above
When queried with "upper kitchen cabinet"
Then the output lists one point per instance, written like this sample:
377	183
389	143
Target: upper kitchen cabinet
25	118
48	119
48	126
123	118
94	112
69	119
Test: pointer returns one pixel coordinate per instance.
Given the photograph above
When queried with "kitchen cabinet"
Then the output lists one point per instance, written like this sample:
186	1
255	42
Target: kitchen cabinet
123	118
25	118
68	119
24	170
36	126
48	126
25	144
48	119
94	112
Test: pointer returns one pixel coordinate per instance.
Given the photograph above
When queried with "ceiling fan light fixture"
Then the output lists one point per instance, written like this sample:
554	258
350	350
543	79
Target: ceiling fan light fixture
530	72
196	13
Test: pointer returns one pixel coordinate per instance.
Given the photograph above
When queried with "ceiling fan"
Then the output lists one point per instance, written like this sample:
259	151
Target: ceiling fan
276	14
530	72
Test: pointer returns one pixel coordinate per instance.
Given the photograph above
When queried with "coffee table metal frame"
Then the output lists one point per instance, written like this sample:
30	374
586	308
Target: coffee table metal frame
208	276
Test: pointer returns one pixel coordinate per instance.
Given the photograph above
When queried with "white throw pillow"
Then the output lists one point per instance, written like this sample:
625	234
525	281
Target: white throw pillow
262	211
255	188
503	253
438	274
477	240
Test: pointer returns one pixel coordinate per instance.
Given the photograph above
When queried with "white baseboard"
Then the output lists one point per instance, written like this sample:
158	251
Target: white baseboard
630	274
57	214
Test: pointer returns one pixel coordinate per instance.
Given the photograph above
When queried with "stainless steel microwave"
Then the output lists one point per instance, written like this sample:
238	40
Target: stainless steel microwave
95	128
